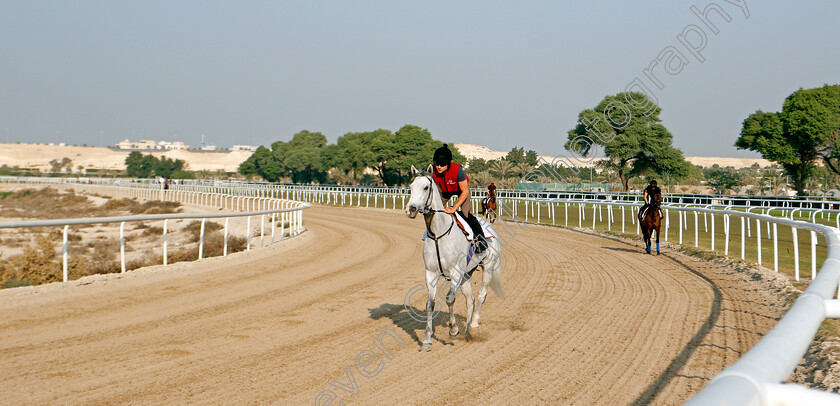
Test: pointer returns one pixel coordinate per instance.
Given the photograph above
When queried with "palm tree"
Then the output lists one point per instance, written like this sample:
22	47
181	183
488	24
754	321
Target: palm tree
501	168
480	179
522	168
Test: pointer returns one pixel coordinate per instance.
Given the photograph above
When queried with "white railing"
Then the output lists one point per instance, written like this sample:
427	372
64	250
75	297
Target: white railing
755	379
290	215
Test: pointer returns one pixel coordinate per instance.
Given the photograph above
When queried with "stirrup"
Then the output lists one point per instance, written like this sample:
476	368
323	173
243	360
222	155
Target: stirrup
480	244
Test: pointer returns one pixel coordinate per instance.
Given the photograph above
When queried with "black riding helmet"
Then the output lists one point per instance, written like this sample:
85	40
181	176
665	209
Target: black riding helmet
443	156
653	182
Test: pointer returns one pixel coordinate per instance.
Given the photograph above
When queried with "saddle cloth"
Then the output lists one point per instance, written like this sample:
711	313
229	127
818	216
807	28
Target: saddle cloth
467	230
642	214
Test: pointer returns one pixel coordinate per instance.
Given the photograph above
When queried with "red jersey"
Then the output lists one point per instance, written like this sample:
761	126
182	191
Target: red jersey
448	181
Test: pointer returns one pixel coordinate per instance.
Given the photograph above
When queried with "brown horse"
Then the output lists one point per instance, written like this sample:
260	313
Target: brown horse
488	204
651	221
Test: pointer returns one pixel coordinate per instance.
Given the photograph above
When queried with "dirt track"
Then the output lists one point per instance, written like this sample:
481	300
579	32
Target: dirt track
587	320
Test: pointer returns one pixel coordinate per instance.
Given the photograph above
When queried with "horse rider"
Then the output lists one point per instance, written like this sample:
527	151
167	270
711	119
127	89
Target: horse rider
650	191
491	191
453	181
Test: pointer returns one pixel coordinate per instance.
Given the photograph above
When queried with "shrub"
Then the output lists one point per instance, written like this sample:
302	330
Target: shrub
152	231
14	283
194	230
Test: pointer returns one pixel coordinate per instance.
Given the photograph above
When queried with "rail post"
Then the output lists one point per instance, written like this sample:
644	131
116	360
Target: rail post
225	252
64	255
122	247
758	238
165	253
201	240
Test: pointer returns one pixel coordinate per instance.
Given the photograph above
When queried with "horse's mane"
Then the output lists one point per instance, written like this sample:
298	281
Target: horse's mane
653	199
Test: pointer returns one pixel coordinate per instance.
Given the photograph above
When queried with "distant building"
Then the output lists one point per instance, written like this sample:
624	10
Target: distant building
150	144
172	145
125	144
207	146
178	145
243	148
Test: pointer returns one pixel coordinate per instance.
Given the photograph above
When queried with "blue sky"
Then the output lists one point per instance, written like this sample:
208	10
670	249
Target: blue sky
501	74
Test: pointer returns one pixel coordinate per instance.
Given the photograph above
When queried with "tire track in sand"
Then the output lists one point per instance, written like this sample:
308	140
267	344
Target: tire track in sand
587	320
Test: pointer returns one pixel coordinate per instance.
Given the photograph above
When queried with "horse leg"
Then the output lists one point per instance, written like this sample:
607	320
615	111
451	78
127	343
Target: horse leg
431	289
646	236
466	289
482	295
657	240
450	301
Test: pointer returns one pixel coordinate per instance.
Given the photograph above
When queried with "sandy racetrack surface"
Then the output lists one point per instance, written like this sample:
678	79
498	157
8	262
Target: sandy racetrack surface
587	320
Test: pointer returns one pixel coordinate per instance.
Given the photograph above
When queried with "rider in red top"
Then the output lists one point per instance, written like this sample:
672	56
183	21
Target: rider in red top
453	181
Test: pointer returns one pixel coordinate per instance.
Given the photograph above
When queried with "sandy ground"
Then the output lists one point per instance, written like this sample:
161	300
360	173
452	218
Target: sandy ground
587	320
39	156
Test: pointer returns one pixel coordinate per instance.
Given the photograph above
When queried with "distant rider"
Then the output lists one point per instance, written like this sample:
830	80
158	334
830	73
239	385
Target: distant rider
650	191
491	191
453	181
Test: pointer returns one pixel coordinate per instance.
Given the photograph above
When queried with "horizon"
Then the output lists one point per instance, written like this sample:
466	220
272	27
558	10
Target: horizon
490	74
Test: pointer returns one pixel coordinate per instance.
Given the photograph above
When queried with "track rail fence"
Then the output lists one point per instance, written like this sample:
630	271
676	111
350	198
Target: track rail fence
288	213
755	379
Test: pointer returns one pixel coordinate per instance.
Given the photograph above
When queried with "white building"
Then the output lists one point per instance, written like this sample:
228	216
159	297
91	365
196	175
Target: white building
151	144
172	145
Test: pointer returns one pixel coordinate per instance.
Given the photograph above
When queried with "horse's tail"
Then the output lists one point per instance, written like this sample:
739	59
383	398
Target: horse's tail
496	280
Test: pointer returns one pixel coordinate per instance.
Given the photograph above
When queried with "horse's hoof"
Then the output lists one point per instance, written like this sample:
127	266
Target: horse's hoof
453	332
426	347
657	252
473	326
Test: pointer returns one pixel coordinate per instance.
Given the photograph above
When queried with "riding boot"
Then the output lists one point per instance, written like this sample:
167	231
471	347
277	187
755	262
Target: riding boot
480	242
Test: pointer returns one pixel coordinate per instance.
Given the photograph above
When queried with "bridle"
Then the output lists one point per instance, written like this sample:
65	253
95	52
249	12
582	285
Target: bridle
428	213
654	204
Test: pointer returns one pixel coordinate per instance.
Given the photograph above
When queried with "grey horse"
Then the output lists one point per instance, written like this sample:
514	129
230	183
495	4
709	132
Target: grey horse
446	253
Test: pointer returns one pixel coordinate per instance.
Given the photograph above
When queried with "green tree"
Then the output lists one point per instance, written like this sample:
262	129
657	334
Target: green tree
262	163
136	166
410	145
476	165
518	155
723	179
805	131
304	157
354	152
165	167
633	138
501	168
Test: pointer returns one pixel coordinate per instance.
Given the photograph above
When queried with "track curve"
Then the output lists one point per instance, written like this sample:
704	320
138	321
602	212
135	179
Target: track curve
588	320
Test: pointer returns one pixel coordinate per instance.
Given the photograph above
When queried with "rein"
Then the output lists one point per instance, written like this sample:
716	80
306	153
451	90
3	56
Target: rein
428	214
653	208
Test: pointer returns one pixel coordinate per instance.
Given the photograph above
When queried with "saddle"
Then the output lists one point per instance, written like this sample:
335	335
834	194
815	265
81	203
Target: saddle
465	228
644	212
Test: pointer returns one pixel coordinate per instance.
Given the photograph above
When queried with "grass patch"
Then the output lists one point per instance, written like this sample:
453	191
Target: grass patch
194	230
152	231
15	283
134	207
